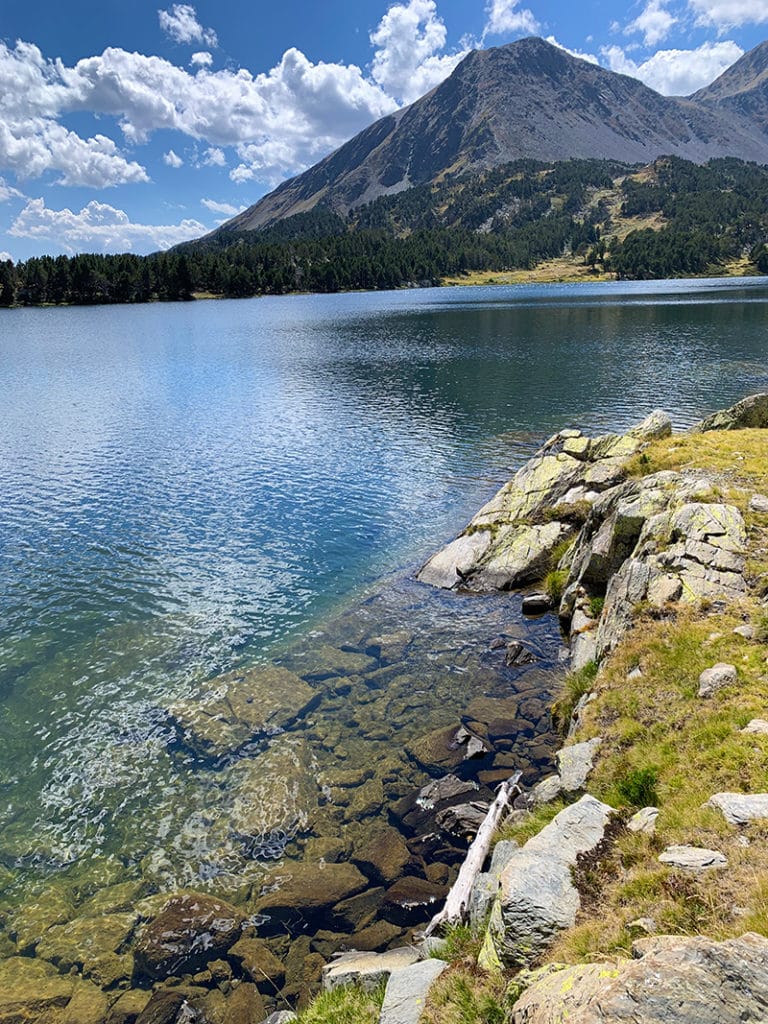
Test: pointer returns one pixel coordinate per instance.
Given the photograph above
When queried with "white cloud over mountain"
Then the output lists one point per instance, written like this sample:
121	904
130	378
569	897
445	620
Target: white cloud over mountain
676	72
504	17
99	226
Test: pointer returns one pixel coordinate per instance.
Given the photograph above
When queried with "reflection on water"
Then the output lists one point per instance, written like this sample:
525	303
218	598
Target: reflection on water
189	489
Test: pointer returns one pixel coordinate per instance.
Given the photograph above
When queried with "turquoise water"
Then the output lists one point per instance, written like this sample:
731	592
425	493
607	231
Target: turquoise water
189	488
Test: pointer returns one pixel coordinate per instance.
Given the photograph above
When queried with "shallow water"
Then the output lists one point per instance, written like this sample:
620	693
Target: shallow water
192	488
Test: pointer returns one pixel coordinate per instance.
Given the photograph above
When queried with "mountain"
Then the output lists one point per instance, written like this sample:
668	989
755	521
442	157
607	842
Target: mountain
528	99
742	89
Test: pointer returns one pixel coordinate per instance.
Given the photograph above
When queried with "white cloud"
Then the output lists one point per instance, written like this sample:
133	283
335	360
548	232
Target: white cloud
216	207
214	157
99	226
676	72
278	121
408	39
726	14
172	159
203	59
181	24
503	18
8	192
5	257
590	57
654	22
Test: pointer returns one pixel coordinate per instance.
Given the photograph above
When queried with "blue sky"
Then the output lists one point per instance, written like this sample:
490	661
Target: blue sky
131	128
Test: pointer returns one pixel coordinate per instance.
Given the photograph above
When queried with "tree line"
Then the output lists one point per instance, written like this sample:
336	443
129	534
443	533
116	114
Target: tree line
511	217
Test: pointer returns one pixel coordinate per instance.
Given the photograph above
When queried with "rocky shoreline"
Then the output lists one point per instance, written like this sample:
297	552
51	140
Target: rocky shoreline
646	546
338	851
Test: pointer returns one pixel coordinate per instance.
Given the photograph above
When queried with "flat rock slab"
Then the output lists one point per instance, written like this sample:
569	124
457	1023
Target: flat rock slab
575	763
240	707
740	808
692	858
407	991
367	969
714	679
672	979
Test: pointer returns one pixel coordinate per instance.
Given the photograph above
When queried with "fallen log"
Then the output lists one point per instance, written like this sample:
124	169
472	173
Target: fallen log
457	902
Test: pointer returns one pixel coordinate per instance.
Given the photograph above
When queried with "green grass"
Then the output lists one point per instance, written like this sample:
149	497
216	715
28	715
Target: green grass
573	688
466	995
554	583
347	1005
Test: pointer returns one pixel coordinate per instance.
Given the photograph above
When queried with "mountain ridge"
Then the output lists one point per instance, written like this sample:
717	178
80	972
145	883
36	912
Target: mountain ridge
562	107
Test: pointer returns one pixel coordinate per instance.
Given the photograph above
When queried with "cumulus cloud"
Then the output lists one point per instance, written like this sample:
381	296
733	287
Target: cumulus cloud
216	207
181	24
590	57
725	14
407	62
654	22
278	121
676	72
504	18
32	141
203	59
172	159
99	226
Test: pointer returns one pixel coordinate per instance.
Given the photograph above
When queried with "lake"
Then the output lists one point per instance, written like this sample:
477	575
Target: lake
190	489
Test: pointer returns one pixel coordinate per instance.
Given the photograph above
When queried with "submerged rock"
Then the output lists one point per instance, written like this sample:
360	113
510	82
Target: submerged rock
190	930
685	980
302	890
240	707
274	796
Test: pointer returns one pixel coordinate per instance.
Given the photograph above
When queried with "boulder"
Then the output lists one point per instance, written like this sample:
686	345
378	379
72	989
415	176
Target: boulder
644	821
717	678
759	503
385	857
367	970
406	993
536	604
692	858
190	930
280	1017
240	707
546	791
244	1005
519	555
84	942
412	900
486	884
32	990
672	979
444	749
575	764
258	963
740	808
451	566
463	820
749	412
537	897
300	890
129	1006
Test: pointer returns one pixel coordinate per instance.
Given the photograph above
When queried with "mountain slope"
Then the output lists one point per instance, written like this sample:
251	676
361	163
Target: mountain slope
741	89
528	99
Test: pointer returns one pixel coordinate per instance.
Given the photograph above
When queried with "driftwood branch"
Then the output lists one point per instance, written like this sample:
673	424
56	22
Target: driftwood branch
457	902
